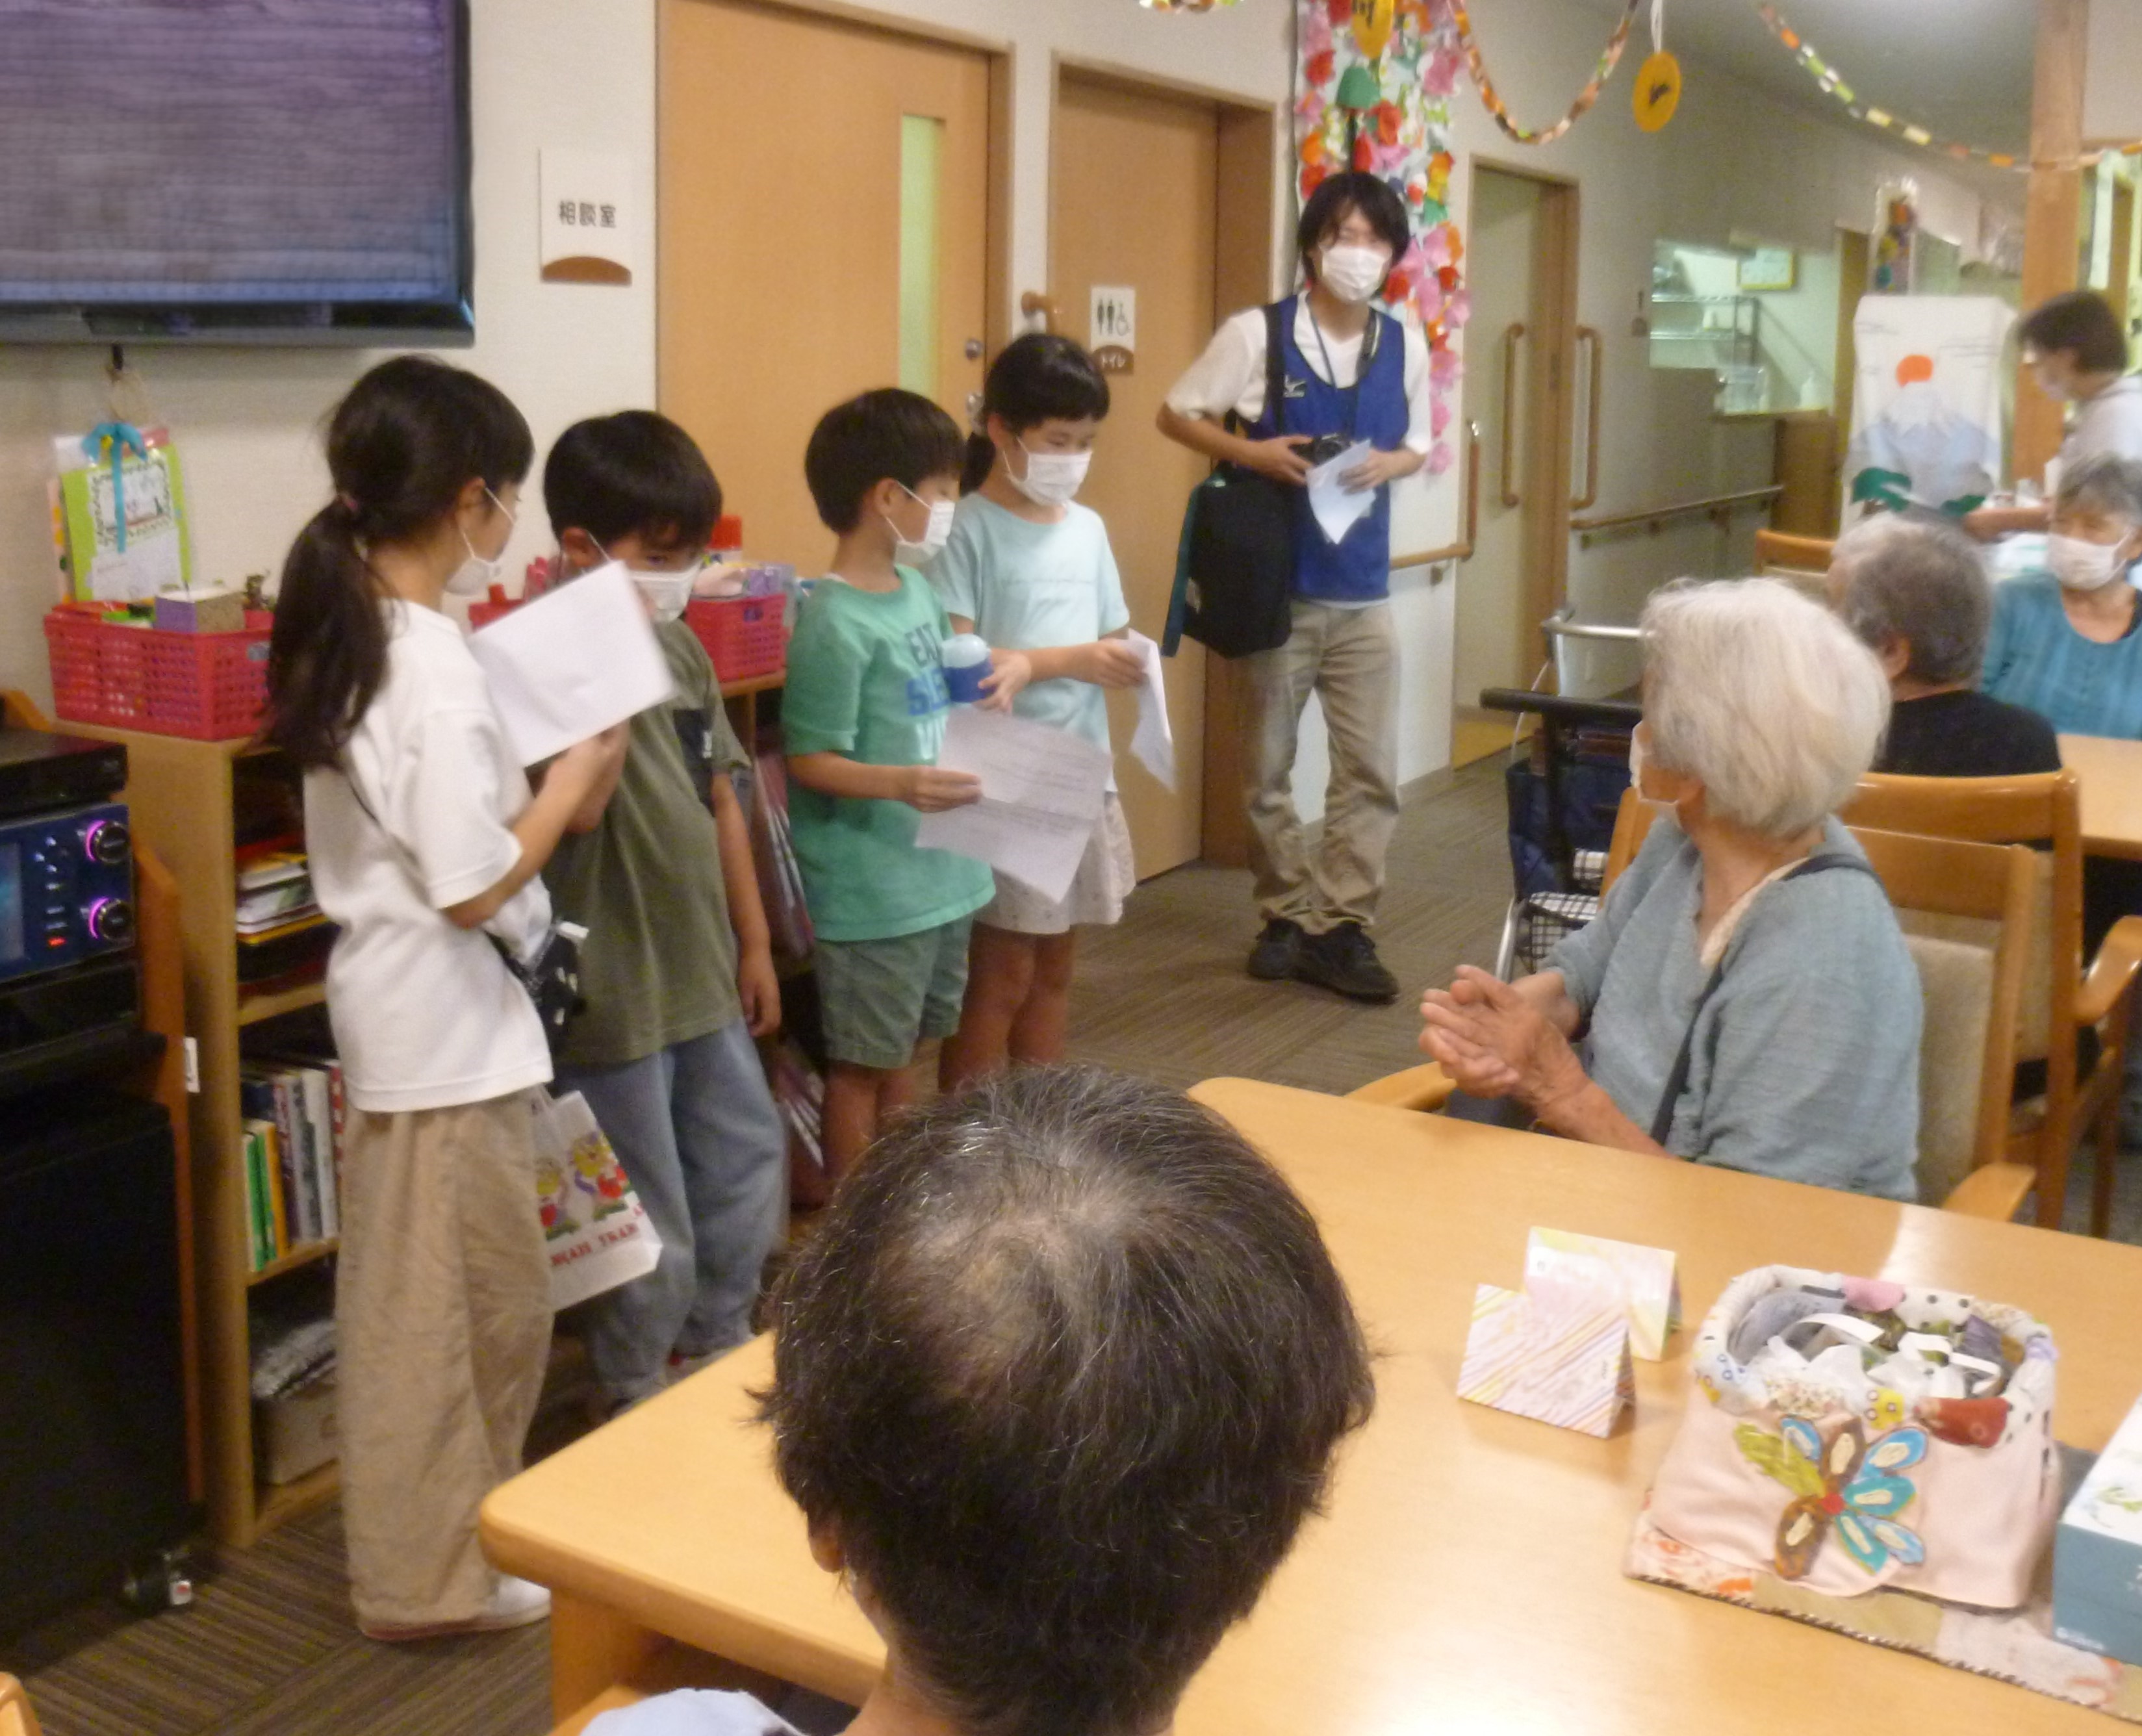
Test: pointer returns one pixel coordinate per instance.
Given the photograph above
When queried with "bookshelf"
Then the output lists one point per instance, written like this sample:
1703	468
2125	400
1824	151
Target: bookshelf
180	796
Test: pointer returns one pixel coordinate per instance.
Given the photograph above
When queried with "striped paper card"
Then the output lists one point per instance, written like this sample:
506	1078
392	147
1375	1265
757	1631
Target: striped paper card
1557	1353
1645	1277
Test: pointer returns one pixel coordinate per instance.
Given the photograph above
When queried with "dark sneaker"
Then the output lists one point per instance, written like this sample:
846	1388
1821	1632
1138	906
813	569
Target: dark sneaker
1278	950
1344	961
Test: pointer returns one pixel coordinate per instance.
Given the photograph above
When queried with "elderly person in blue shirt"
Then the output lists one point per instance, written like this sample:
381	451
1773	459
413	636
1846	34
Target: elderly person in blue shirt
1749	998
2064	642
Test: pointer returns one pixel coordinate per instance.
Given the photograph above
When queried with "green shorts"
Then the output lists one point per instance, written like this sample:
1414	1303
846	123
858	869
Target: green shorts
880	1000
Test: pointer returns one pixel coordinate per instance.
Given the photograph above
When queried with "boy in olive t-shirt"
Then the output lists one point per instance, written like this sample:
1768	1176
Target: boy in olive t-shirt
862	720
677	970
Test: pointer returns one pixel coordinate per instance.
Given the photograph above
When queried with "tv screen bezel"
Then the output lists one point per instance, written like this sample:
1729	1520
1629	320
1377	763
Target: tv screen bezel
449	323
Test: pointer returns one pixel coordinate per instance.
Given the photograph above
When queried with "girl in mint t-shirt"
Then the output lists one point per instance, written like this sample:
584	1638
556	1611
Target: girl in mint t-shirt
1030	571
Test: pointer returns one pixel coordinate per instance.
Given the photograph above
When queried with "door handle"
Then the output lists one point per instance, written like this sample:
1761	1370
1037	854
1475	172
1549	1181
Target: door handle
1511	338
1590	336
1035	303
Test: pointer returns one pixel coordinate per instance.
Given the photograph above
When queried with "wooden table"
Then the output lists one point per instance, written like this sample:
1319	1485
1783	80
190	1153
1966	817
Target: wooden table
2111	774
1468	1576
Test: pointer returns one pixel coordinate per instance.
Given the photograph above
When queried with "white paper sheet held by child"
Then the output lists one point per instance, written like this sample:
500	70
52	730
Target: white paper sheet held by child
1042	791
572	662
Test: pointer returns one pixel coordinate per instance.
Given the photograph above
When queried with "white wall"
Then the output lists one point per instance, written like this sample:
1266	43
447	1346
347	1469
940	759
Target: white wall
574	72
1734	163
2112	94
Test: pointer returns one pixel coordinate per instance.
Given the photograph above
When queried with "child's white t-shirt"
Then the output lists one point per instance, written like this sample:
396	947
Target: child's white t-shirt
426	1015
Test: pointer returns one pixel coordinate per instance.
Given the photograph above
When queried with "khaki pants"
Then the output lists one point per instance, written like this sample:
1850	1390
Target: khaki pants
1348	658
442	1322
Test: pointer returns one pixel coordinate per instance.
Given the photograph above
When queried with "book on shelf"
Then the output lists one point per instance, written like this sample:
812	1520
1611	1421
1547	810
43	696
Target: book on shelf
295	1103
260	870
274	892
260	1226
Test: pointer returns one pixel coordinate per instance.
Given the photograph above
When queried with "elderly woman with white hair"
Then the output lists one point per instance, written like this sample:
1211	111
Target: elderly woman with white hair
1749	999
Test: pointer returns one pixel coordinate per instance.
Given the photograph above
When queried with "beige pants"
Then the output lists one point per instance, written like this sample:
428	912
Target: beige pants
443	1320
1348	658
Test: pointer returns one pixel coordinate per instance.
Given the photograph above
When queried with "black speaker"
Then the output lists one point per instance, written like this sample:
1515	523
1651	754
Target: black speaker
92	1396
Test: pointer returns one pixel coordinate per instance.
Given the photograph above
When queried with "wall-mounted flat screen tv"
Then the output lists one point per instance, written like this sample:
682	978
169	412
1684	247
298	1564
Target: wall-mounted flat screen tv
235	171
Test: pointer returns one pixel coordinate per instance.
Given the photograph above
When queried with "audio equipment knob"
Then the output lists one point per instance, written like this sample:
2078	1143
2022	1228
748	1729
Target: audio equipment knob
108	841
110	920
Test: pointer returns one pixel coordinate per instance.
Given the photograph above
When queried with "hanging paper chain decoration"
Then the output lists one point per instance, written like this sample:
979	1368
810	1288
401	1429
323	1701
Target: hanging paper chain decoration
1585	98
1404	140
1829	78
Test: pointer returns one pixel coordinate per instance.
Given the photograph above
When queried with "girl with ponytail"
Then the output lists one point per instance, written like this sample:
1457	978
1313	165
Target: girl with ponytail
1030	571
425	845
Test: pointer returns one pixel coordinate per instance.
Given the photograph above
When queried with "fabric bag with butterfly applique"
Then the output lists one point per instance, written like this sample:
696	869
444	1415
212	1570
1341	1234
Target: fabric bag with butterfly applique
1849	1433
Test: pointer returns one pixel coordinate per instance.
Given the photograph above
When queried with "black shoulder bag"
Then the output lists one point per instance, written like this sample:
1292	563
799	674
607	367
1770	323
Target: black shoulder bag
1677	1076
1234	576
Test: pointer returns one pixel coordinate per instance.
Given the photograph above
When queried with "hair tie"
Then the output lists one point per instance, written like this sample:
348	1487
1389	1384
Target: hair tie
348	502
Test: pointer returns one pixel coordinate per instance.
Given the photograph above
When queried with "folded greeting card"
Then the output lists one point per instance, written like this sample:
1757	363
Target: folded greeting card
1644	1276
1556	1351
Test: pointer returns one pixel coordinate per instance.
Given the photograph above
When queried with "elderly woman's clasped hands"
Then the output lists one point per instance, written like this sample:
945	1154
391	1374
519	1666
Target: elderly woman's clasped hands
1498	1039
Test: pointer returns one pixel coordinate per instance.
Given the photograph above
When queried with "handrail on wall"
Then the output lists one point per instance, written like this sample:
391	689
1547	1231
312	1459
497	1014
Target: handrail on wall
1462	551
1656	518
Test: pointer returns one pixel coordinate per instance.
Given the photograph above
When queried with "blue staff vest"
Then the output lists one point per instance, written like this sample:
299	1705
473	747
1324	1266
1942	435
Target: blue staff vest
1374	408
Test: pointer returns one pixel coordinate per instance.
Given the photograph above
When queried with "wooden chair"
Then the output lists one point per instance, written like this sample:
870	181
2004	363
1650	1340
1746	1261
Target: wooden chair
1802	561
1967	912
2060	997
17	1718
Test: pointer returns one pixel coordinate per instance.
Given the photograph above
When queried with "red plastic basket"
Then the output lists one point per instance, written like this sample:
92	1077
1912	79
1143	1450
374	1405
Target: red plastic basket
745	636
209	687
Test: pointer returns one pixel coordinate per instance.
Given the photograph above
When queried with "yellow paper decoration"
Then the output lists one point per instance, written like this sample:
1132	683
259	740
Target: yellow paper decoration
1374	20
1657	94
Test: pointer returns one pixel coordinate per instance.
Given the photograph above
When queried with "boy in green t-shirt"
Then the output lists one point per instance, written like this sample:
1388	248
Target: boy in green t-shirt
677	969
863	718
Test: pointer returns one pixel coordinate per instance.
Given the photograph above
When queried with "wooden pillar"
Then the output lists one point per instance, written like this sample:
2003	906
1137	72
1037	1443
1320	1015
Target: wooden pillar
2052	217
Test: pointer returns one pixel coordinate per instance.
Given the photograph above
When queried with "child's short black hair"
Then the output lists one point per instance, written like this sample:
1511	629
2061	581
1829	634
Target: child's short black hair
2082	322
886	435
633	473
1356	189
1061	1371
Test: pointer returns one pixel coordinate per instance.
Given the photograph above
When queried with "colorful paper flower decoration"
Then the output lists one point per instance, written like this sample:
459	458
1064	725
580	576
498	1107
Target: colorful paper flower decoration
1389	113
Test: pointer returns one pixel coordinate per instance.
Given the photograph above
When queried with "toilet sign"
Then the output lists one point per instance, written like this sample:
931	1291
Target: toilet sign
1112	331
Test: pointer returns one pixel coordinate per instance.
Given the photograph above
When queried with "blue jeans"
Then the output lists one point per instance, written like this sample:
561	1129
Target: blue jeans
697	1131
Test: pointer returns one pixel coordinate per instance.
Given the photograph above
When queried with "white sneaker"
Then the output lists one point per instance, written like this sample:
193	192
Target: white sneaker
513	1603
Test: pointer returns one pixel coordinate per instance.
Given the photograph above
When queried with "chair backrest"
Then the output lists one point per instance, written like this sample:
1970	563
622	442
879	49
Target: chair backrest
2044	809
1967	911
15	1717
1632	824
1802	562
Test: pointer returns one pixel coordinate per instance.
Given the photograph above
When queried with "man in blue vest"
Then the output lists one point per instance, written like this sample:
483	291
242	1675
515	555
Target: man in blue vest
1349	374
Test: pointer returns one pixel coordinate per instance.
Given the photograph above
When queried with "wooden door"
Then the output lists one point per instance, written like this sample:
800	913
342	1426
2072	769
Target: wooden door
824	229
1136	206
1503	345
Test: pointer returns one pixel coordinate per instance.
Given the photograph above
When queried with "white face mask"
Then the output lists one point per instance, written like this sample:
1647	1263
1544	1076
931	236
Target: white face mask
664	594
1052	479
476	575
1354	273
1639	761
2084	566
935	535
